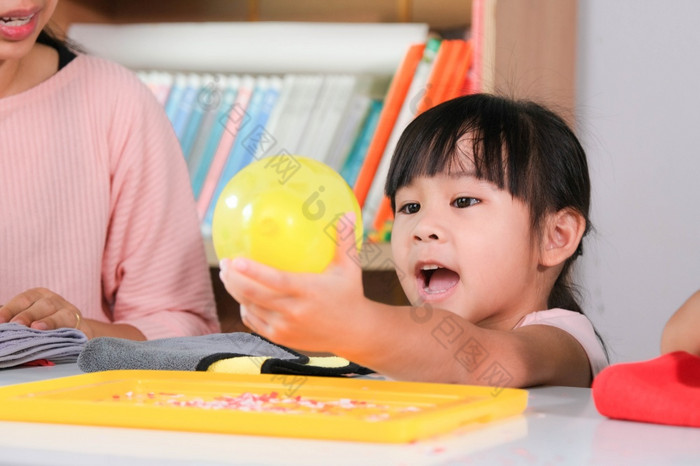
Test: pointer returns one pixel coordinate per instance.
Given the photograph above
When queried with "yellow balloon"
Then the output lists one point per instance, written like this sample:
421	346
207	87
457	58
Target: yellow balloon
283	211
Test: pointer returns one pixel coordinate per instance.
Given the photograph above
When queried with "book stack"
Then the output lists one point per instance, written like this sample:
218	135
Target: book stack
351	122
431	73
339	93
225	122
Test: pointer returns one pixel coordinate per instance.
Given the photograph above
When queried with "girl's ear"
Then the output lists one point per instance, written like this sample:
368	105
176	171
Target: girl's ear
562	236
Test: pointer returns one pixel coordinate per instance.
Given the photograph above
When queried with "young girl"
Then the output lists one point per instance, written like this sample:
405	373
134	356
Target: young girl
99	230
491	200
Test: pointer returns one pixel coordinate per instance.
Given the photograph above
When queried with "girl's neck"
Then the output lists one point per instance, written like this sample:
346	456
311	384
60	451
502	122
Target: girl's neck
532	297
19	75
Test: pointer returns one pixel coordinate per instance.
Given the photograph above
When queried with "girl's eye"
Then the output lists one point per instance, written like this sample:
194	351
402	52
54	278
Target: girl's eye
463	202
410	208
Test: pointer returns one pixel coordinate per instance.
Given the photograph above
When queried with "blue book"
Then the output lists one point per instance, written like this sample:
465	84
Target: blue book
205	103
254	138
184	109
260	107
214	135
356	156
215	93
178	87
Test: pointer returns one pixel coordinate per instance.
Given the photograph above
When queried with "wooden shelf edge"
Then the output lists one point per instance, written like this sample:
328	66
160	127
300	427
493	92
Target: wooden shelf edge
374	256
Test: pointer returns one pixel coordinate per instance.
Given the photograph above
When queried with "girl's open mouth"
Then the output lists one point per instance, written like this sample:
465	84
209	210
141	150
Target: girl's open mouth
435	280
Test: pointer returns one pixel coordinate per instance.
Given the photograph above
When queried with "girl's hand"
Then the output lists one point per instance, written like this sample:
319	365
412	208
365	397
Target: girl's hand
41	309
305	311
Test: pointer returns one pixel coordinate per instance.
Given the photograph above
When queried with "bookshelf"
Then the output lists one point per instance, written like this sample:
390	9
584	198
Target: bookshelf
450	14
524	49
528	47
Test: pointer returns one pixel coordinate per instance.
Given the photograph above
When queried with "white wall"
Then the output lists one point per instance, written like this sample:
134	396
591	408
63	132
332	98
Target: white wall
638	112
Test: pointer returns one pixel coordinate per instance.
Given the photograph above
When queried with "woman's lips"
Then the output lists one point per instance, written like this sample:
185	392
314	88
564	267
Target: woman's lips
17	26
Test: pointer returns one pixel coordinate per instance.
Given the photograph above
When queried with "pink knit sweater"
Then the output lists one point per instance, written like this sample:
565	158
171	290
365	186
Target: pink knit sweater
95	203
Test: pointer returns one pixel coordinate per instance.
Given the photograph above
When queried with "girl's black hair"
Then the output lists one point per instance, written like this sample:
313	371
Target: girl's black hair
519	146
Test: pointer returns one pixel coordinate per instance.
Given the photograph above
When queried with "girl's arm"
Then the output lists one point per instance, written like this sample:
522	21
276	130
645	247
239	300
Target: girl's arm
682	331
329	312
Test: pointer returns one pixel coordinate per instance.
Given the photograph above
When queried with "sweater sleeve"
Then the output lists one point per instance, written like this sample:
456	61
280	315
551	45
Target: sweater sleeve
155	274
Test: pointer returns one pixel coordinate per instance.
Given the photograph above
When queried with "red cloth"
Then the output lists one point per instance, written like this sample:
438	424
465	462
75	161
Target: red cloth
664	390
39	362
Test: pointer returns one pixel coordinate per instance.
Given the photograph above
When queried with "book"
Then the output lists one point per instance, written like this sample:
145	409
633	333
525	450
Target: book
158	82
445	61
406	113
258	140
202	104
210	134
460	83
483	37
178	87
269	142
236	153
450	86
331	102
186	105
162	83
353	163
244	147
346	85
295	119
348	131
390	111
232	122
351	123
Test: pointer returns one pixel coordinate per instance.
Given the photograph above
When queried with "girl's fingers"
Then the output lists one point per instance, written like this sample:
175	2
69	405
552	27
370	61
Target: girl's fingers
347	250
253	321
274	279
247	290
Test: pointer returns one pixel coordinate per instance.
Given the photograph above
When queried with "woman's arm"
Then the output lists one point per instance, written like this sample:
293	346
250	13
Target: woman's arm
682	331
155	275
43	309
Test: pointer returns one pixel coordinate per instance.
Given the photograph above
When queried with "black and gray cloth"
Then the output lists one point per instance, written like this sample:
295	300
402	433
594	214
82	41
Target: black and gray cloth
237	352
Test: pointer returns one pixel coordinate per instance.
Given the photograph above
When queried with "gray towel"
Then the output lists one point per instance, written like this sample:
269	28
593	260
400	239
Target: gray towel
20	344
178	353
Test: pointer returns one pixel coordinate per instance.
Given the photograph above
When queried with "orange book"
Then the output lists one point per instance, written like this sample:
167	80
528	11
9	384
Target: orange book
390	111
383	215
446	81
464	61
447	85
434	88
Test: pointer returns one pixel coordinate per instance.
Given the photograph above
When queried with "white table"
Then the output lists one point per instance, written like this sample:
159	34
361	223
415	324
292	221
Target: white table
560	426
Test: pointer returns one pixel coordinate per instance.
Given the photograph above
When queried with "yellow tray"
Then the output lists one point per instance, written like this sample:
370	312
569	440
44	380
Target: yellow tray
278	405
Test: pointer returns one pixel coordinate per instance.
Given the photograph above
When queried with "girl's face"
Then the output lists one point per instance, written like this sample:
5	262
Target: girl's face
464	245
20	24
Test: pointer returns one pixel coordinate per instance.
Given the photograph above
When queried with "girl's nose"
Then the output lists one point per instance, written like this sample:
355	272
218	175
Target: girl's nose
428	230
431	236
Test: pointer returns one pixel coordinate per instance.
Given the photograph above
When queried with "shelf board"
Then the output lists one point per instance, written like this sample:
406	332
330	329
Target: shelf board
373	256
